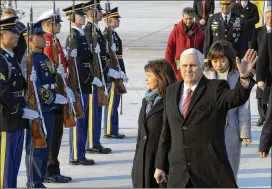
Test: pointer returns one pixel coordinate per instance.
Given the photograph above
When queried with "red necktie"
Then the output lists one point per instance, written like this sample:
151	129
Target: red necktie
203	9
186	102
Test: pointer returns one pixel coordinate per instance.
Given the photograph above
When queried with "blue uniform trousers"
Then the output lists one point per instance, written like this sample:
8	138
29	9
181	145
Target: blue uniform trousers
111	122
36	158
78	134
11	148
95	118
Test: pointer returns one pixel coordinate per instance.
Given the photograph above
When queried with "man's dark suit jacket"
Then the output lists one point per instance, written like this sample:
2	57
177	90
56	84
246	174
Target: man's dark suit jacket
194	146
264	65
209	8
250	14
257	38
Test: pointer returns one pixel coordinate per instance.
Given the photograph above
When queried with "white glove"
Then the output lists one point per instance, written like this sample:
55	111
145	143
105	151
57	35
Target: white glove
70	94
114	74
61	71
60	99
97	49
74	53
30	114
97	82
33	76
113	47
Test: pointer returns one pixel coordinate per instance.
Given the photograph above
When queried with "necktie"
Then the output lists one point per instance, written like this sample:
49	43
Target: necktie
226	21
203	9
186	102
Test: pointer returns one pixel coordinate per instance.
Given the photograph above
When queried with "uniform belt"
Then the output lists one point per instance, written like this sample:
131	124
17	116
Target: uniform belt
18	94
87	65
119	56
49	86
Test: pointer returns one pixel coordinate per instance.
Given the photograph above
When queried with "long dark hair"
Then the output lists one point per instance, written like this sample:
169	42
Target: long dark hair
163	72
219	49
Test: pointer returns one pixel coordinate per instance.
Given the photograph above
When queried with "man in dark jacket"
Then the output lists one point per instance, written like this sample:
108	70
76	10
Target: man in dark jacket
192	137
203	10
249	12
186	34
264	68
227	26
262	95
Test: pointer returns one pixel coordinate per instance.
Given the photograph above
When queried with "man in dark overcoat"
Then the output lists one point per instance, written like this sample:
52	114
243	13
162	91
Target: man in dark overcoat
192	138
262	95
264	68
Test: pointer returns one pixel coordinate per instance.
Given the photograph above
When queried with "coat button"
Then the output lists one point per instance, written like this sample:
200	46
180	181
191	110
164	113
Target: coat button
188	164
184	128
144	138
185	146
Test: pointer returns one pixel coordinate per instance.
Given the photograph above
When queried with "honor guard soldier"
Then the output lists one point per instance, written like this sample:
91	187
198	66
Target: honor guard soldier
13	111
20	49
95	120
81	54
111	117
36	158
53	166
227	26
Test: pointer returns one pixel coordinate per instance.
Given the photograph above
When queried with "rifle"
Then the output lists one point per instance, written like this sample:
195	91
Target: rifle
38	126
120	87
102	92
73	77
68	118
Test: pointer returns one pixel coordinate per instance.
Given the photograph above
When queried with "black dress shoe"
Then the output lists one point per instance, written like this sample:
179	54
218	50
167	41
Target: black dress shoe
117	136
82	162
68	178
99	150
56	179
260	122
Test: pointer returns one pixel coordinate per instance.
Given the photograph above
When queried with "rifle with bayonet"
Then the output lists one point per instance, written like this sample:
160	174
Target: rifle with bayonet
102	92
68	109
38	126
73	77
114	63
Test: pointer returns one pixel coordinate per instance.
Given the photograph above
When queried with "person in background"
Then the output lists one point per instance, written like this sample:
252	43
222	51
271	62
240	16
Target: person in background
159	75
222	65
20	49
249	12
263	95
186	34
203	10
228	26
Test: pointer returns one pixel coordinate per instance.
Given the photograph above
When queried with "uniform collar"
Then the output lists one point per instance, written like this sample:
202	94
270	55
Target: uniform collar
80	30
268	28
9	52
228	16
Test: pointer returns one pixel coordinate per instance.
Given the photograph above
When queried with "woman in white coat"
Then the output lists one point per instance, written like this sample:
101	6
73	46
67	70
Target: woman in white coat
221	65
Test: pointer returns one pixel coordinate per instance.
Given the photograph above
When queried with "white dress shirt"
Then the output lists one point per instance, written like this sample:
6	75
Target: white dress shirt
268	29
228	16
80	30
184	94
9	52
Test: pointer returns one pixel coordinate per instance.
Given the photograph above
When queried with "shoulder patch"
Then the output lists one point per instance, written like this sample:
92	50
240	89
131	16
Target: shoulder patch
47	43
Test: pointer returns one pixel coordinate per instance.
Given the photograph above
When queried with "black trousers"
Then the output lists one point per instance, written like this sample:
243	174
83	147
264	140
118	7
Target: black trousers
53	162
189	184
262	108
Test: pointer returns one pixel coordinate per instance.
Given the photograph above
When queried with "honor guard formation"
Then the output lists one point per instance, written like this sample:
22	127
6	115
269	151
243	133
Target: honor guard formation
196	108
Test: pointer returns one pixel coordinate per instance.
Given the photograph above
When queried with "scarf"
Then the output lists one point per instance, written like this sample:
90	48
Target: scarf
151	97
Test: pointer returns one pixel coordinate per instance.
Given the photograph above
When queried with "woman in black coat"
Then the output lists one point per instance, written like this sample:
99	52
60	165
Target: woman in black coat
159	75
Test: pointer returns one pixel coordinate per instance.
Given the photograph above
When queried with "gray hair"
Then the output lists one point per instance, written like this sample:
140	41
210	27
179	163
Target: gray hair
189	11
194	52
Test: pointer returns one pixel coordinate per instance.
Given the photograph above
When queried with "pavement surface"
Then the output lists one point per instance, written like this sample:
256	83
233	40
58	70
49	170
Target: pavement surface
145	27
